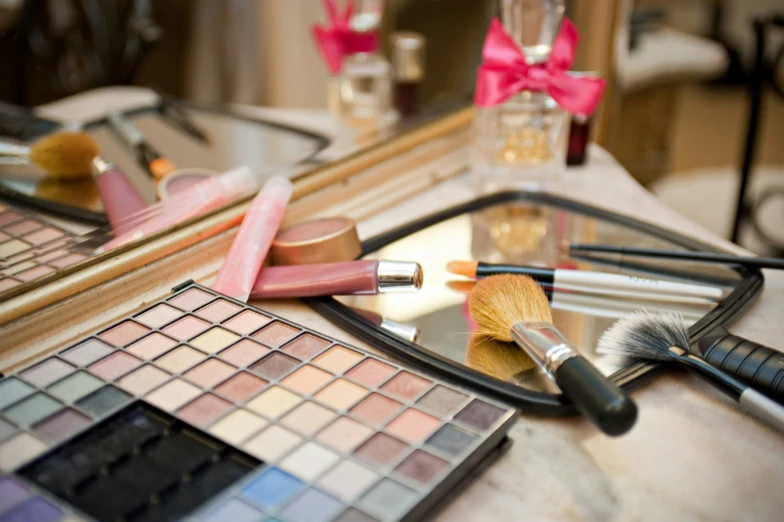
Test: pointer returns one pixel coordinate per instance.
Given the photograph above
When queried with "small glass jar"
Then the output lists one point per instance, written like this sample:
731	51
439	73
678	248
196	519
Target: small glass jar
362	90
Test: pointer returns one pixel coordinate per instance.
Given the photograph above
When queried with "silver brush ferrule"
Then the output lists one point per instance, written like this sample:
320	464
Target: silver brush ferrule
399	276
544	344
407	331
98	166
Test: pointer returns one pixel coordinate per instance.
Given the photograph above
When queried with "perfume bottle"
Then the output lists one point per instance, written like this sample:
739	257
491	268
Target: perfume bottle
521	143
361	90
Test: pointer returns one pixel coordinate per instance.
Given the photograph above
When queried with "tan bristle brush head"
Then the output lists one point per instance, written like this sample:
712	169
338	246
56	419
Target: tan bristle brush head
497	359
497	302
64	154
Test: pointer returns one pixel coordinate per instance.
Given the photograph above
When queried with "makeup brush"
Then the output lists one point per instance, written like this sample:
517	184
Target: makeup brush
515	308
500	360
156	164
62	155
664	337
585	280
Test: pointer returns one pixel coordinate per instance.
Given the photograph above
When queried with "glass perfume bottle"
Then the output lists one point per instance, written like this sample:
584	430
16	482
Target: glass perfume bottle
521	143
361	90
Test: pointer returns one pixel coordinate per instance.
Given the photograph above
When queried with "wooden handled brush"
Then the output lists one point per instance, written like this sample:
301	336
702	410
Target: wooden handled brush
62	155
514	308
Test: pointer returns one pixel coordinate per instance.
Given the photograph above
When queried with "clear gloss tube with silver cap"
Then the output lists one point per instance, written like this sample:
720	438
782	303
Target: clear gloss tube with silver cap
595	395
361	277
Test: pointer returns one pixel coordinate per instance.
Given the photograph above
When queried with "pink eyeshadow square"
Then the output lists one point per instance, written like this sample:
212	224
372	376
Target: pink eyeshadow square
173	394
158	316
67	260
23	227
124	333
52	255
210	373
191	299
3	236
244	353
204	410
43	236
115	365
8	283
413	426
34	273
151	346
218	311
276	334
9	217
143	380
306	346
247	322
186	328
406	385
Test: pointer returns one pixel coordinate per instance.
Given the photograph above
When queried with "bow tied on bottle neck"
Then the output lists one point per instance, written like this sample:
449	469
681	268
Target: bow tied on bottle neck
504	72
338	39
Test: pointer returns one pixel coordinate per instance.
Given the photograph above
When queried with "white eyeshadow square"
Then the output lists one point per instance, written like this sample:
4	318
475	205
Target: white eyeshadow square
309	461
237	426
272	443
348	480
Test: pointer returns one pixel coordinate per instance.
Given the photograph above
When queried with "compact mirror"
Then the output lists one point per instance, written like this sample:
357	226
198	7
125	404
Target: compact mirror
434	327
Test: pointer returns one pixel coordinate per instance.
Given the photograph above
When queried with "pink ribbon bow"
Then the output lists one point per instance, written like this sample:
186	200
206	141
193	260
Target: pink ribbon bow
339	40
504	72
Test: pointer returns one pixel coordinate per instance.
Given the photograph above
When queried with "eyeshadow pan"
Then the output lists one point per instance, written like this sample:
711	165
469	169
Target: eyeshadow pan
36	509
308	418
306	346
479	415
151	346
158	316
204	410
372	372
6	430
413	426
115	365
68	260
272	443
376	409
272	488
12	247
406	385
312	506
8	217
75	386
32	409
143	380
348	480
104	401
451	440
34	273
235	511
60	425
307	380
218	310
421	466
274	366
124	333
354	515
12	390
186	328
11	493
173	394
344	434
341	394
190	299
244	353
209	373
442	400
275	334
237	426
388	499
18	267
337	359
274	402
180	359
241	386
47	372
7	283
246	322
381	449
19	449
87	352
309	461
42	236
214	340
23	227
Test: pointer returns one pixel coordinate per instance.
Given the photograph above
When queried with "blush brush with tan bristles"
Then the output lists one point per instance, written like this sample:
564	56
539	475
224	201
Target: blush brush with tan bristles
515	308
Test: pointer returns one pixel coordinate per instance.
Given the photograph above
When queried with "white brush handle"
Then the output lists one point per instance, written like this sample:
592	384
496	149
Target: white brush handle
634	284
768	411
12	149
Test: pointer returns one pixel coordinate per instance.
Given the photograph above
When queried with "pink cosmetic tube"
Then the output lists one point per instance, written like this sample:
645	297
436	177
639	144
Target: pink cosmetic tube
120	198
363	277
259	227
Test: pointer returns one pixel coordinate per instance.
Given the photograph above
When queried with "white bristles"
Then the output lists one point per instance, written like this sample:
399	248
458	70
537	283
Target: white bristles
645	335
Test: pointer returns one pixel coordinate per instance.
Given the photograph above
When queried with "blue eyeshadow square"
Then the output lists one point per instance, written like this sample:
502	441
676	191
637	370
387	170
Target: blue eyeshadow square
235	511
312	506
272	488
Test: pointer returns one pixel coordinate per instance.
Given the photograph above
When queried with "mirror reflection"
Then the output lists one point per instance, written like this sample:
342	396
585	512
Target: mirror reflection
538	235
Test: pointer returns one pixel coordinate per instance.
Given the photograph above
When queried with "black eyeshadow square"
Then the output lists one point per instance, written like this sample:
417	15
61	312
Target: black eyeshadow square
141	464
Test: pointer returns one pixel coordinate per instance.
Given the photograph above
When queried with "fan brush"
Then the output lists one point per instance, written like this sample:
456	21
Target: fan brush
663	337
515	308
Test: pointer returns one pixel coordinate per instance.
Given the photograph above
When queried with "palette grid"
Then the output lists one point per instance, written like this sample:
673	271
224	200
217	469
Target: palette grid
31	248
342	434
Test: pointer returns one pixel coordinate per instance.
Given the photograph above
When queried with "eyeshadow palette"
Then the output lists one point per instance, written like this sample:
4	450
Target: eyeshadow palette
31	248
204	408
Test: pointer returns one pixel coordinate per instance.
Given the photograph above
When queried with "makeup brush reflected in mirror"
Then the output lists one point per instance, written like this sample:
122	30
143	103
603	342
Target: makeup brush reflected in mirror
506	362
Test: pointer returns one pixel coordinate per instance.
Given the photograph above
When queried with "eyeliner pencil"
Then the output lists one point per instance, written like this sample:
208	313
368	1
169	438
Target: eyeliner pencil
704	257
588	280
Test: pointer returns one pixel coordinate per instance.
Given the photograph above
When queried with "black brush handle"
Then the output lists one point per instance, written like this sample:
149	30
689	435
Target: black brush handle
596	396
760	367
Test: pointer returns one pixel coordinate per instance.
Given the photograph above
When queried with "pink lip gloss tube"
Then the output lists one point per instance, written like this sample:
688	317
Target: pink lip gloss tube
367	276
120	198
259	227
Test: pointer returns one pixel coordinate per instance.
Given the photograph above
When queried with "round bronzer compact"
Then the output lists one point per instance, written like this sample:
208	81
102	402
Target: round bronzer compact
326	240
